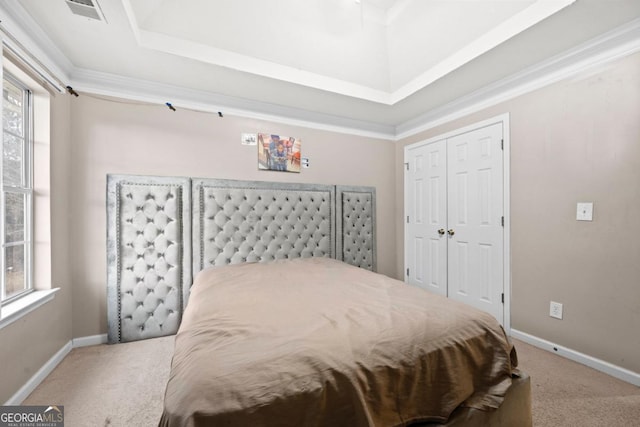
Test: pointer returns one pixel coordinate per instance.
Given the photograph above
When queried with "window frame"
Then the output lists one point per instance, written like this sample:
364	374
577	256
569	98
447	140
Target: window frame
26	189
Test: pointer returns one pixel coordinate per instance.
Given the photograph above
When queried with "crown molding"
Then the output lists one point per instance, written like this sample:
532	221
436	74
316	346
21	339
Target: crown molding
182	47
518	23
611	46
23	28
225	58
113	85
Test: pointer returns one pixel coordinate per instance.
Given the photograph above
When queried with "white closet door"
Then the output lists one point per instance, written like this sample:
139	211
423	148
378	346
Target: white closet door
475	209
426	245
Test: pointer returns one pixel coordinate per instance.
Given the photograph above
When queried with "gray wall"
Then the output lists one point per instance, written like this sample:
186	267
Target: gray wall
574	141
111	136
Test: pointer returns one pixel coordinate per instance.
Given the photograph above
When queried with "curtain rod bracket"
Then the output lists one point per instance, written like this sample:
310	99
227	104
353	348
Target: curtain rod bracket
71	91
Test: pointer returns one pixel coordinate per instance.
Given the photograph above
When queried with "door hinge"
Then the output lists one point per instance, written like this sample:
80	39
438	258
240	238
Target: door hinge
502	221
407	272
502	144
406	165
503	298
407	219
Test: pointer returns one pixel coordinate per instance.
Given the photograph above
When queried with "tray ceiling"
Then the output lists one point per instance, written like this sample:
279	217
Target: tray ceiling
381	51
374	64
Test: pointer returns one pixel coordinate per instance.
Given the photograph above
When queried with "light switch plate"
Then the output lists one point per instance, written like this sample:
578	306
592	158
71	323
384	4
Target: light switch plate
585	211
249	139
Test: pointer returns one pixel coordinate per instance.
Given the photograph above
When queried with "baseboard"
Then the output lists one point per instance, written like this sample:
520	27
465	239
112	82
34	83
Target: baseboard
597	364
39	376
90	340
51	364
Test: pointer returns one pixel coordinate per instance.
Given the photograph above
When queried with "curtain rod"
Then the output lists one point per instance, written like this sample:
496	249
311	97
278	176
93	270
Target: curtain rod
20	53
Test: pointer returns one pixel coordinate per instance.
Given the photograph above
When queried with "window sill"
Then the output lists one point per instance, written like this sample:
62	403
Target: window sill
13	311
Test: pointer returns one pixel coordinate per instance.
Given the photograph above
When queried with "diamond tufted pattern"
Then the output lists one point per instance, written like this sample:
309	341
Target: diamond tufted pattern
357	245
148	259
152	249
255	222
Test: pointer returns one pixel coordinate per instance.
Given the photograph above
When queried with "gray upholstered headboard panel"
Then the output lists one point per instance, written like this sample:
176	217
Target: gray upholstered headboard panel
162	230
251	221
148	255
355	236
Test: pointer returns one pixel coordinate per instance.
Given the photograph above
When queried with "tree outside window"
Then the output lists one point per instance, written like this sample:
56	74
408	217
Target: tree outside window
16	188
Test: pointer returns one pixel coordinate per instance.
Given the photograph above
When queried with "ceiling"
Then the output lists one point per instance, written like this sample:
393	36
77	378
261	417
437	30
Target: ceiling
369	64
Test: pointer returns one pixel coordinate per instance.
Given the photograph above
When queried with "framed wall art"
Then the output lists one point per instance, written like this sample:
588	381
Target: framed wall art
279	153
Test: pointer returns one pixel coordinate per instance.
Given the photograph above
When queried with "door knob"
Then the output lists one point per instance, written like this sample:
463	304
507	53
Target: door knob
441	232
451	232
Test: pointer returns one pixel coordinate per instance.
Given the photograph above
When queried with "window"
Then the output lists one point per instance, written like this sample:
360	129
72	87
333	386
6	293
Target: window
17	189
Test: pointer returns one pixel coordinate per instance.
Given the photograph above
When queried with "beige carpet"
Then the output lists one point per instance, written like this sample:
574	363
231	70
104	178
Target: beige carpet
109	385
123	385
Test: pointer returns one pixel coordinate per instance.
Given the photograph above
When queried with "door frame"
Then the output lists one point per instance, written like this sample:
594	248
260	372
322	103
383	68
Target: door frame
506	191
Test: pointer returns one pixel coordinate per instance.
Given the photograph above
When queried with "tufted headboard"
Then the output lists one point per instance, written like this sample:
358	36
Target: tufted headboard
148	255
252	221
355	236
160	230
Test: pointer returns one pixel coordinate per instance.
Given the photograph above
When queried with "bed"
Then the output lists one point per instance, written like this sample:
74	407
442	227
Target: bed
286	322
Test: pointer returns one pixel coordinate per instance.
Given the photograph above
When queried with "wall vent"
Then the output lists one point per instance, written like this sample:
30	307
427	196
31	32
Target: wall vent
86	8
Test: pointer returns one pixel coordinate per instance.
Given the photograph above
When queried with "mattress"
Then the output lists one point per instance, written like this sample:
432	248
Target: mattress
317	342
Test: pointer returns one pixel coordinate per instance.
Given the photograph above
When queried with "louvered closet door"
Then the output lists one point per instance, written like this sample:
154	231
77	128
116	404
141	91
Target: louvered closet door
426	246
475	209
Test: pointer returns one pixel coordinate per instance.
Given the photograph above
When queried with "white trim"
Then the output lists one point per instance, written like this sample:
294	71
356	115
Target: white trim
611	46
88	341
162	42
51	364
249	64
39	376
10	312
158	93
236	61
506	211
506	177
606	48
21	26
518	23
597	364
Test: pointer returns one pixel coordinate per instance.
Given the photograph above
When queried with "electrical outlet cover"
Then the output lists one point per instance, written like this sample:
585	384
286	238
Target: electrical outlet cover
584	211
